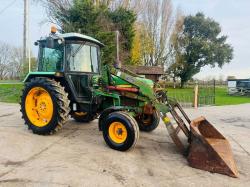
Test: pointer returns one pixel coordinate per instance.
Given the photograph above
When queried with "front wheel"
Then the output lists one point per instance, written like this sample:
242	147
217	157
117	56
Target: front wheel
120	131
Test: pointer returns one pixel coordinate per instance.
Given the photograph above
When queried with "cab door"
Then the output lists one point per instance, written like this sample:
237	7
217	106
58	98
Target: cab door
82	60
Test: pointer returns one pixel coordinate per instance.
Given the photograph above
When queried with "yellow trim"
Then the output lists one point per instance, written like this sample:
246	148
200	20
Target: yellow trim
39	106
117	132
166	119
124	86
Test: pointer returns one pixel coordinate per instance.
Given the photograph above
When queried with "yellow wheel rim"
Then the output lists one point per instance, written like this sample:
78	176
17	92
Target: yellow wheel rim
117	132
81	113
39	106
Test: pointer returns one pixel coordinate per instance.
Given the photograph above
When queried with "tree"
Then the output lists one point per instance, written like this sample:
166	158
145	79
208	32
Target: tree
134	5
15	65
96	19
200	44
11	62
136	51
176	49
5	51
123	21
157	20
54	8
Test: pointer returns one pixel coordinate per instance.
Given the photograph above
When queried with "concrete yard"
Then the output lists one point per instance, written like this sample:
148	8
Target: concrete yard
78	155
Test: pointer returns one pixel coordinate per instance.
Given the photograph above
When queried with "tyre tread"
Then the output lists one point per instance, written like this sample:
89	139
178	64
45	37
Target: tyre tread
61	99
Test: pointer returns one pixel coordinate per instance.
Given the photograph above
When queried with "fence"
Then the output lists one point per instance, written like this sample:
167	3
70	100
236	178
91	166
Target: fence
187	97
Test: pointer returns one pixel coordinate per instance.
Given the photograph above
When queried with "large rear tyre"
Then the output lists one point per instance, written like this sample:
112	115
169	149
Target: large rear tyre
44	105
148	123
120	131
83	117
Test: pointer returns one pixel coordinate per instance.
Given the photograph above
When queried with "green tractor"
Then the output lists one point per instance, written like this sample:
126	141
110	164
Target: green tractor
71	81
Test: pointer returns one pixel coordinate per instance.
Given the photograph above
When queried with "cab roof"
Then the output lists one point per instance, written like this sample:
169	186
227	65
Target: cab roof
77	36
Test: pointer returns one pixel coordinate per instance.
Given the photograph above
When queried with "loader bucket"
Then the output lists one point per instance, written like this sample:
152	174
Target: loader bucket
210	150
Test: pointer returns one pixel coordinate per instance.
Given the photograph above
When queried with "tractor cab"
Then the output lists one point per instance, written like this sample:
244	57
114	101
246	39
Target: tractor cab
69	52
73	55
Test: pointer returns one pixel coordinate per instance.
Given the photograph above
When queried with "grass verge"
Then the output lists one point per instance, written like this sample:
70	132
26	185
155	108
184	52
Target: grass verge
10	93
221	96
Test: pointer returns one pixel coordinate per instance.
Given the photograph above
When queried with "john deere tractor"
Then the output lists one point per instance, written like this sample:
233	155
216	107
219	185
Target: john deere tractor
71	81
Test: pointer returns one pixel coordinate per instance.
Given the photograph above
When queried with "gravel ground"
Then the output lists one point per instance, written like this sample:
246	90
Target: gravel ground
78	156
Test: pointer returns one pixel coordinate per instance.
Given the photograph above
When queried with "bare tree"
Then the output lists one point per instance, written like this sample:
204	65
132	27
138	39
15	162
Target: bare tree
158	21
11	61
54	8
15	64
5	51
135	5
175	56
155	22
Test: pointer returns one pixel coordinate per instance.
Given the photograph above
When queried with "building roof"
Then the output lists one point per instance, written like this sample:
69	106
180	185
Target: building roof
238	80
146	70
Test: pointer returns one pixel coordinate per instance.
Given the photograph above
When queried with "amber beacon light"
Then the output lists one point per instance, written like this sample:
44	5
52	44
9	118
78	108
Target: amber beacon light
53	29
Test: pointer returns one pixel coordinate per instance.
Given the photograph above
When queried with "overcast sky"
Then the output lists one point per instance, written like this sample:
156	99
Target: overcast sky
233	16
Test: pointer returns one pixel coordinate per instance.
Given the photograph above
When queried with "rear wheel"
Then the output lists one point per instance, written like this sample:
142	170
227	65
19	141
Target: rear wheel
83	117
120	131
147	122
44	105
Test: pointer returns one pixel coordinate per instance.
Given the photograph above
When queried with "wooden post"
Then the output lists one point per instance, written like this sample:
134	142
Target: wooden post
214	91
196	90
118	62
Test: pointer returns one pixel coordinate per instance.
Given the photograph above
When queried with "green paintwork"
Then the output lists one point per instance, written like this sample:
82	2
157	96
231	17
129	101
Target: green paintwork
37	74
118	81
146	91
149	82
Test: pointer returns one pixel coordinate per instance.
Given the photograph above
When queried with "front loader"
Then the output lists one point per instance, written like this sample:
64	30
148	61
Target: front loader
70	80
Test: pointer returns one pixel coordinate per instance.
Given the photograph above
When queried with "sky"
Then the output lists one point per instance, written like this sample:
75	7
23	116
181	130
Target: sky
233	16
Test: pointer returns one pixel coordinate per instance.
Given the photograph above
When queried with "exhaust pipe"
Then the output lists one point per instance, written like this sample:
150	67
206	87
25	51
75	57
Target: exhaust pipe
118	62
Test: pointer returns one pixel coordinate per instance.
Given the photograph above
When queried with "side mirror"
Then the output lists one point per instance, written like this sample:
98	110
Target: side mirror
60	41
36	43
50	43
